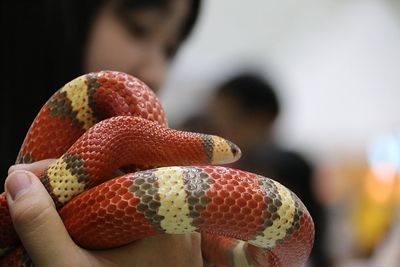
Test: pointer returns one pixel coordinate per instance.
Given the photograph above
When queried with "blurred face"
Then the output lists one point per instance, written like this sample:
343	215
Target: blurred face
141	43
245	130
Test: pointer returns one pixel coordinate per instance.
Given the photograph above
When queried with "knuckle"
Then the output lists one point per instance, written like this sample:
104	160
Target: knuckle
32	214
195	239
189	242
39	166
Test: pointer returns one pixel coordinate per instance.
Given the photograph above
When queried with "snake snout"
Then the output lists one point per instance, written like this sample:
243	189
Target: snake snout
235	150
224	151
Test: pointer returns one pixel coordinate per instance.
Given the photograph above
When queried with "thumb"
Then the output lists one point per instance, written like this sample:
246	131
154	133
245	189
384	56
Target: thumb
36	220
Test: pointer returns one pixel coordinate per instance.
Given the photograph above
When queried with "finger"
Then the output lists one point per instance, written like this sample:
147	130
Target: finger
36	220
36	167
176	250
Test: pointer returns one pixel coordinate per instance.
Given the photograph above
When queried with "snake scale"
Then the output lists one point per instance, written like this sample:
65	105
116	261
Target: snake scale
106	121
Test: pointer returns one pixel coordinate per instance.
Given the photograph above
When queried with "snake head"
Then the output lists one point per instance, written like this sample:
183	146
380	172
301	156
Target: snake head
221	151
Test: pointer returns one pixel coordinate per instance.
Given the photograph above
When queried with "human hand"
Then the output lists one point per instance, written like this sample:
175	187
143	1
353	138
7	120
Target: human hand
48	243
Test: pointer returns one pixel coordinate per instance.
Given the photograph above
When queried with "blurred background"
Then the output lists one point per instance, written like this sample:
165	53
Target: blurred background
335	68
308	89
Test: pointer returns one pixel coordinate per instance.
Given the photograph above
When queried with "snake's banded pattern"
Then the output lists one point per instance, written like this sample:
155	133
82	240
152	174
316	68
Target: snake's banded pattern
210	199
131	132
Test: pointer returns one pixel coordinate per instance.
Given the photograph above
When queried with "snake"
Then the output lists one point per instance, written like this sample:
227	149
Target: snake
121	174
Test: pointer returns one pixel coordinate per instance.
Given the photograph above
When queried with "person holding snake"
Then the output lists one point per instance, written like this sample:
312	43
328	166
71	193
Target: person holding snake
139	38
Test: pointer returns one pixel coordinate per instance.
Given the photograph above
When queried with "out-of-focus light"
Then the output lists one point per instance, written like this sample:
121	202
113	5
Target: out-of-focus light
377	189
384	157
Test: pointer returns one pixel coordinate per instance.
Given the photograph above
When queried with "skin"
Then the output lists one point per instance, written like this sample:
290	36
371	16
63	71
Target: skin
144	52
143	46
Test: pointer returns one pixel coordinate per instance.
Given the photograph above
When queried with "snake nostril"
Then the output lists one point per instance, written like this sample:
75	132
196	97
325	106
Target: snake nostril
234	150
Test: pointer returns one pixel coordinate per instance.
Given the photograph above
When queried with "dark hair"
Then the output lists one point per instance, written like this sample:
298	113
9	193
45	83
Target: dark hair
54	33
254	94
124	5
72	20
44	45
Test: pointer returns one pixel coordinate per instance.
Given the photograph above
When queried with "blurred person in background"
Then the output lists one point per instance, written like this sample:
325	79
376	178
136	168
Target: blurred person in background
244	109
47	44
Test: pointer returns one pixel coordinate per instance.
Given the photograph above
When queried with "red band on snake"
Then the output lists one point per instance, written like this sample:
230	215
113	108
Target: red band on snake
245	219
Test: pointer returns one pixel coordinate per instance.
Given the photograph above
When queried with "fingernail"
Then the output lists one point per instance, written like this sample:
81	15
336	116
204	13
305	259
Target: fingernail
15	167
11	169
18	183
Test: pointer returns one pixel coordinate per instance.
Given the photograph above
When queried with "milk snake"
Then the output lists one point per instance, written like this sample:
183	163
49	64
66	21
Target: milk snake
107	121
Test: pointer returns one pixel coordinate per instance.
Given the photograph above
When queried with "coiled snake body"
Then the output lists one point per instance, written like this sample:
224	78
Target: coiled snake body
245	219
